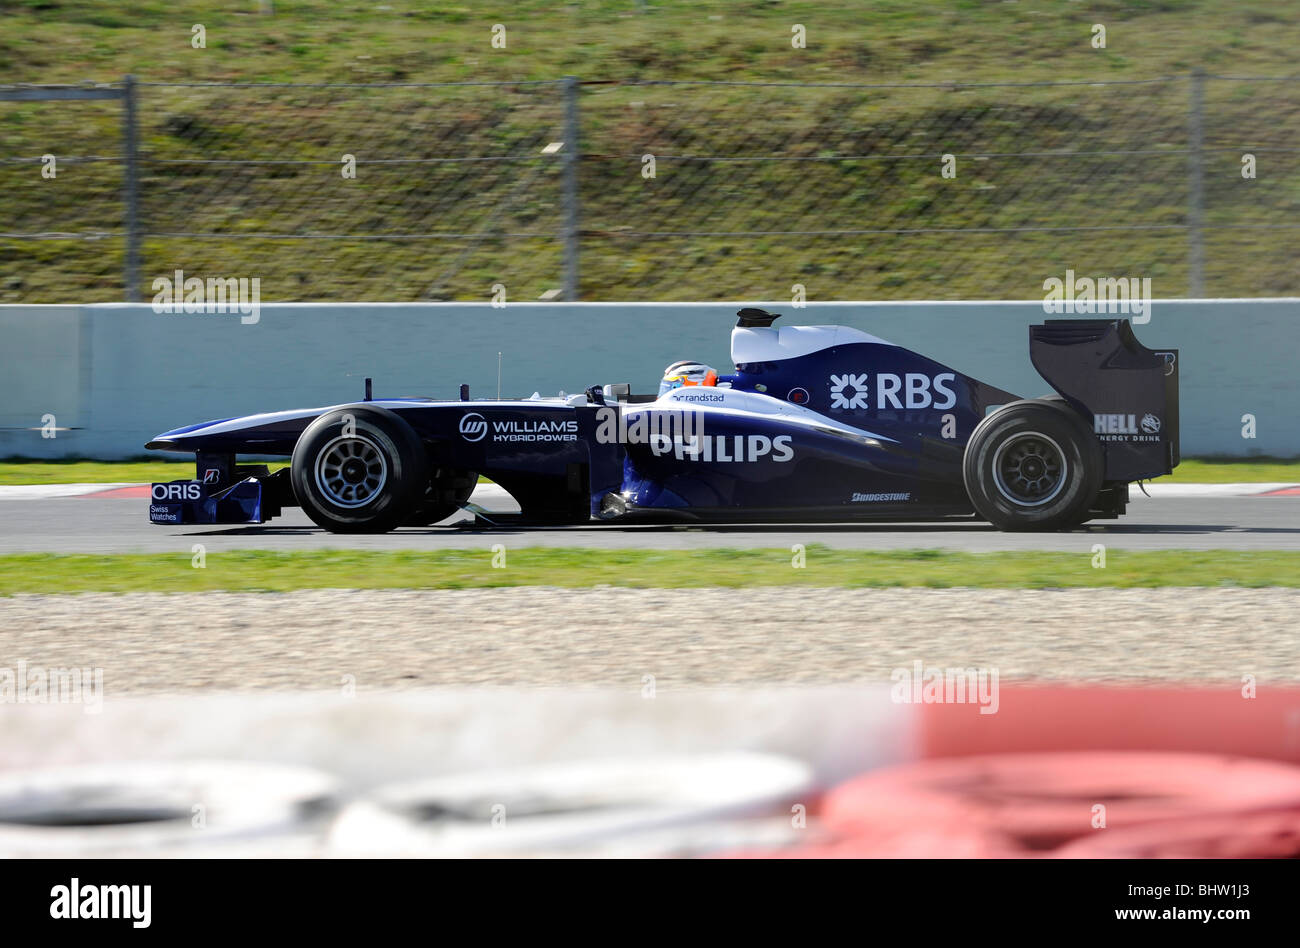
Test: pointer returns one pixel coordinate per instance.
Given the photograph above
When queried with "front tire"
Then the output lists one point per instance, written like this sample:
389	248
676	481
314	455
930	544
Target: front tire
1033	465
359	470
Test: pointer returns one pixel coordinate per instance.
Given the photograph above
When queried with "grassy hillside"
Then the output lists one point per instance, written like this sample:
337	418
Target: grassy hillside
851	159
406	41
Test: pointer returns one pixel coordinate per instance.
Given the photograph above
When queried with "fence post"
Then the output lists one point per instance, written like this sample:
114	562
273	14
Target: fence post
571	239
1196	188
131	192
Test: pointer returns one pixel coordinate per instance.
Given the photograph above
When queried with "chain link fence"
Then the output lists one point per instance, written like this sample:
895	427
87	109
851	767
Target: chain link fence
63	154
651	190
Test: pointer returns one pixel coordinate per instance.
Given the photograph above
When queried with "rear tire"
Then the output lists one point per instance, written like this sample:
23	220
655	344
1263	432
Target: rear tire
359	470
1060	402
1033	465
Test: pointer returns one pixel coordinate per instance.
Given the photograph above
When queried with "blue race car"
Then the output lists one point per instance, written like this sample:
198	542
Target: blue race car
816	424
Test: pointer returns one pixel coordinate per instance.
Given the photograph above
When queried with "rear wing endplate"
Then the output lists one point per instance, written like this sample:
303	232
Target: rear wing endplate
1127	393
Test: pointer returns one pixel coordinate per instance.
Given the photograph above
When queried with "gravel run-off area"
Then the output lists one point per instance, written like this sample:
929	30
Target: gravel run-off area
614	637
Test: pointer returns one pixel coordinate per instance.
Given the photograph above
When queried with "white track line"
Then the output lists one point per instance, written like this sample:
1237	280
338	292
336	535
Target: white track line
491	494
1157	489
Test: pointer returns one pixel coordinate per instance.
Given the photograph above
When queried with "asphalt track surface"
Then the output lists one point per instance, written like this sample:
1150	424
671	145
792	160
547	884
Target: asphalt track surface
119	524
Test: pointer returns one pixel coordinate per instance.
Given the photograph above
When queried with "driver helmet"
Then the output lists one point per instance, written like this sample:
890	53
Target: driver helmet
687	372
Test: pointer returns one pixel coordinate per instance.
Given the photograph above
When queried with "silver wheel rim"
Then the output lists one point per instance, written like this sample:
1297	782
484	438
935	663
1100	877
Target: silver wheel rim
1029	469
351	472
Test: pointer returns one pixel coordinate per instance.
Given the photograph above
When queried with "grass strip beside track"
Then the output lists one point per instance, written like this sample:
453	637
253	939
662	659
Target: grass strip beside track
1234	471
264	571
29	471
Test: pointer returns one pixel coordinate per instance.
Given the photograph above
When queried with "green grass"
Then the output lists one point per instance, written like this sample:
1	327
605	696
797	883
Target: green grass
416	41
30	471
1234	471
885	41
262	571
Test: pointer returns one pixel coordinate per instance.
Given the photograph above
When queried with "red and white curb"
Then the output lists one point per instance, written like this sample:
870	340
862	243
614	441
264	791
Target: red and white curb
47	491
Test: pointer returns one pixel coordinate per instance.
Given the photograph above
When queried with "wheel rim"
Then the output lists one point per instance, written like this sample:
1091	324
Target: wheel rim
1029	469
351	472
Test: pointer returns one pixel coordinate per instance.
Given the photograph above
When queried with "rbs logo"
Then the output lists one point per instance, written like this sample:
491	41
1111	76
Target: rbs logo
911	390
191	490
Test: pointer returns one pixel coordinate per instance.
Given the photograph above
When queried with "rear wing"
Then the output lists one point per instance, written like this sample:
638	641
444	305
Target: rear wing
1127	392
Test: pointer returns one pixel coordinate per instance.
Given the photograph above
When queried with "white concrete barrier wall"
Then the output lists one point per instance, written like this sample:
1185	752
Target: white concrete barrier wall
114	375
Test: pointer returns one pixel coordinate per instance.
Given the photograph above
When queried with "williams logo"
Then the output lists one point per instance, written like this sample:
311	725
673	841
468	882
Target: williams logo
1113	426
473	427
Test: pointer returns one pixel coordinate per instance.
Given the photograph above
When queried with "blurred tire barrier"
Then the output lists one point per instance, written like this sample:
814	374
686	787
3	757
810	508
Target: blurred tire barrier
1259	836
1077	804
1200	720
186	808
650	806
929	842
384	750
1051	796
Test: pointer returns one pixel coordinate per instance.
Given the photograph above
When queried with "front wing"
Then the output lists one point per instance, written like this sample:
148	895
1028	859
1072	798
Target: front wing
193	502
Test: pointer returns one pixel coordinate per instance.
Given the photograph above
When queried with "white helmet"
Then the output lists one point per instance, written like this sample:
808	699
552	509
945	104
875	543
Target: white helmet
686	372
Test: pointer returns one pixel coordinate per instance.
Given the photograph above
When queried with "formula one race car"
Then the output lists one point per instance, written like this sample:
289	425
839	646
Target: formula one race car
817	424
